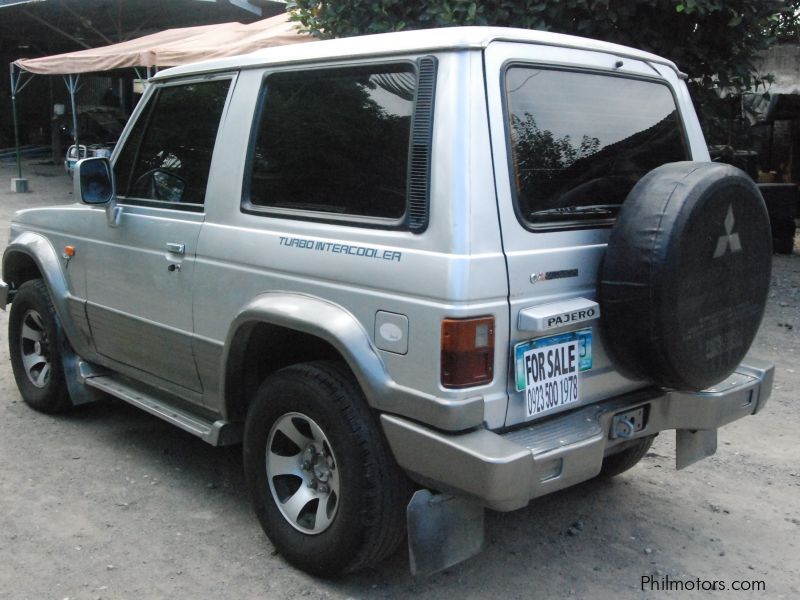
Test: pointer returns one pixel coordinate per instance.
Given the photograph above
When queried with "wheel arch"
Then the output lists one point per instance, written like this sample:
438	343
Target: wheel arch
30	256
19	267
276	330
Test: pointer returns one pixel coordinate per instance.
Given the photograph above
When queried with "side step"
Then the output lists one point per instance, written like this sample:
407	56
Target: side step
216	433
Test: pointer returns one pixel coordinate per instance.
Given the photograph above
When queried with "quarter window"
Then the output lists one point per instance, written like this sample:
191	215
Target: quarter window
580	141
334	143
167	155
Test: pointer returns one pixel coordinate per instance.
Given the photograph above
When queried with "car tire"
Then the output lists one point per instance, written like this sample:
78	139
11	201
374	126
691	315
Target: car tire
626	459
685	277
36	344
323	483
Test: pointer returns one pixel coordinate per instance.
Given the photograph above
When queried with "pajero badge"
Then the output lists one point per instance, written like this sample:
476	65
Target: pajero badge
558	314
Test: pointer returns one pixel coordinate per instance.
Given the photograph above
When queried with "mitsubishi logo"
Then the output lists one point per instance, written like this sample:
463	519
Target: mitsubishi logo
730	239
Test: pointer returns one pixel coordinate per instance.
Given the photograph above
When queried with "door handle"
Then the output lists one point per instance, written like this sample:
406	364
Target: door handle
175	248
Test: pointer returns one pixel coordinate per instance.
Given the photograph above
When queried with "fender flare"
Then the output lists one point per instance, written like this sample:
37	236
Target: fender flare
339	328
39	249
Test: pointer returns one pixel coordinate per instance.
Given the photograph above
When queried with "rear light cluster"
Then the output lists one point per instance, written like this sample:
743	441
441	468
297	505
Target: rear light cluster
467	352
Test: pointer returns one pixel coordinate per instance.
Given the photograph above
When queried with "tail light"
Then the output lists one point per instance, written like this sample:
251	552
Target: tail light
467	352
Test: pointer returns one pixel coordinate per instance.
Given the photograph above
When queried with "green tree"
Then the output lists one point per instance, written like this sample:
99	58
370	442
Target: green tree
715	41
786	25
540	153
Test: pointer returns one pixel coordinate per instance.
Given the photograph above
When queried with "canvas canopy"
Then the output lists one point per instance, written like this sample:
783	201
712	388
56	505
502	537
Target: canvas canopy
172	47
163	49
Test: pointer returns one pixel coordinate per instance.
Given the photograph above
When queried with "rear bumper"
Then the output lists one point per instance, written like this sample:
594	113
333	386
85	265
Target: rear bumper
505	471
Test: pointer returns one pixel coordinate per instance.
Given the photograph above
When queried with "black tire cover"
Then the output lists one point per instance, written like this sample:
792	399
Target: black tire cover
686	274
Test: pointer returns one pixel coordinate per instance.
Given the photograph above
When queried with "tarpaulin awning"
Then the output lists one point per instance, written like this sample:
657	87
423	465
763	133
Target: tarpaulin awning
172	47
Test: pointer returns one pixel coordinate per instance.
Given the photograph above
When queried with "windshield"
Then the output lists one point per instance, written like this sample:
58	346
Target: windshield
580	141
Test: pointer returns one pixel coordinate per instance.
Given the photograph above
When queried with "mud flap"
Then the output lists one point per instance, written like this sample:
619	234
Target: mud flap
693	445
75	373
442	531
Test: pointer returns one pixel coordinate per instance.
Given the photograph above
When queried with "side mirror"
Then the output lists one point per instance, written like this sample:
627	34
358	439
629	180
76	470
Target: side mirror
94	181
94	184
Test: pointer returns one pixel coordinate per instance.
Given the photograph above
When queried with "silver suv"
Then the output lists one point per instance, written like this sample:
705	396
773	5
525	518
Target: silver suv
414	274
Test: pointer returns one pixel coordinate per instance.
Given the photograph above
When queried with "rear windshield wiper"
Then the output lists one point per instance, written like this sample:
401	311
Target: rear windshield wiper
571	212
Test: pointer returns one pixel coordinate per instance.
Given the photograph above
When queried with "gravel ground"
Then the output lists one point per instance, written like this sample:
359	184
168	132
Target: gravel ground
109	502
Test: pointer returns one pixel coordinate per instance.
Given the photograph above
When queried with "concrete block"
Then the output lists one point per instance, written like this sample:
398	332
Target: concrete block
19	185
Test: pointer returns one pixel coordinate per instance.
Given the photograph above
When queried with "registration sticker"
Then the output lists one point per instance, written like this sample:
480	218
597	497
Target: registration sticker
547	369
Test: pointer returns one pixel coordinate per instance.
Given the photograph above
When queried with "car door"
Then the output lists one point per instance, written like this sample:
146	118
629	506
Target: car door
140	273
572	131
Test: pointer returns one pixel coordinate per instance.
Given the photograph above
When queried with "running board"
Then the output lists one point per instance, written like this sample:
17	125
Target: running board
216	433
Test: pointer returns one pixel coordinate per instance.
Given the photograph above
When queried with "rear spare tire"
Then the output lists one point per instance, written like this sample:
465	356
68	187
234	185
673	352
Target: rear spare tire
686	273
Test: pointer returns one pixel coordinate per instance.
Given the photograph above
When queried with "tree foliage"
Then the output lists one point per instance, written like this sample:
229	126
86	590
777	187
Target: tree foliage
786	26
541	152
715	41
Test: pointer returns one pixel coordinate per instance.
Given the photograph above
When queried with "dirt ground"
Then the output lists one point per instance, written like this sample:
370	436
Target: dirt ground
109	502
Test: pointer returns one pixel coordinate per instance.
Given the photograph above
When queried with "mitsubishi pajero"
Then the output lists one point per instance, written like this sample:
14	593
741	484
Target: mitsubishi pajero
415	275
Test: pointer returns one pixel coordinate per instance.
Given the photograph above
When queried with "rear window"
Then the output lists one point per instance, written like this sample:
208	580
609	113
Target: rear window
334	143
580	141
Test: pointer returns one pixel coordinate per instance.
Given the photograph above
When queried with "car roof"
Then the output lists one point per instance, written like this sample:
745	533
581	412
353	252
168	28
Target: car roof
406	42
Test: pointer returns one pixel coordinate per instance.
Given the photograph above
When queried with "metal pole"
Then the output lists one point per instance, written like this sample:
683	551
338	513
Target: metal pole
73	85
16	122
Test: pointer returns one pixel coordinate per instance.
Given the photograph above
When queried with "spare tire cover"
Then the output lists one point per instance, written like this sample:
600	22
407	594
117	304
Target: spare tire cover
686	273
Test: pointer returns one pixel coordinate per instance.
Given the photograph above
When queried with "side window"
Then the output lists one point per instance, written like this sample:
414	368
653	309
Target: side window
334	143
167	155
580	141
